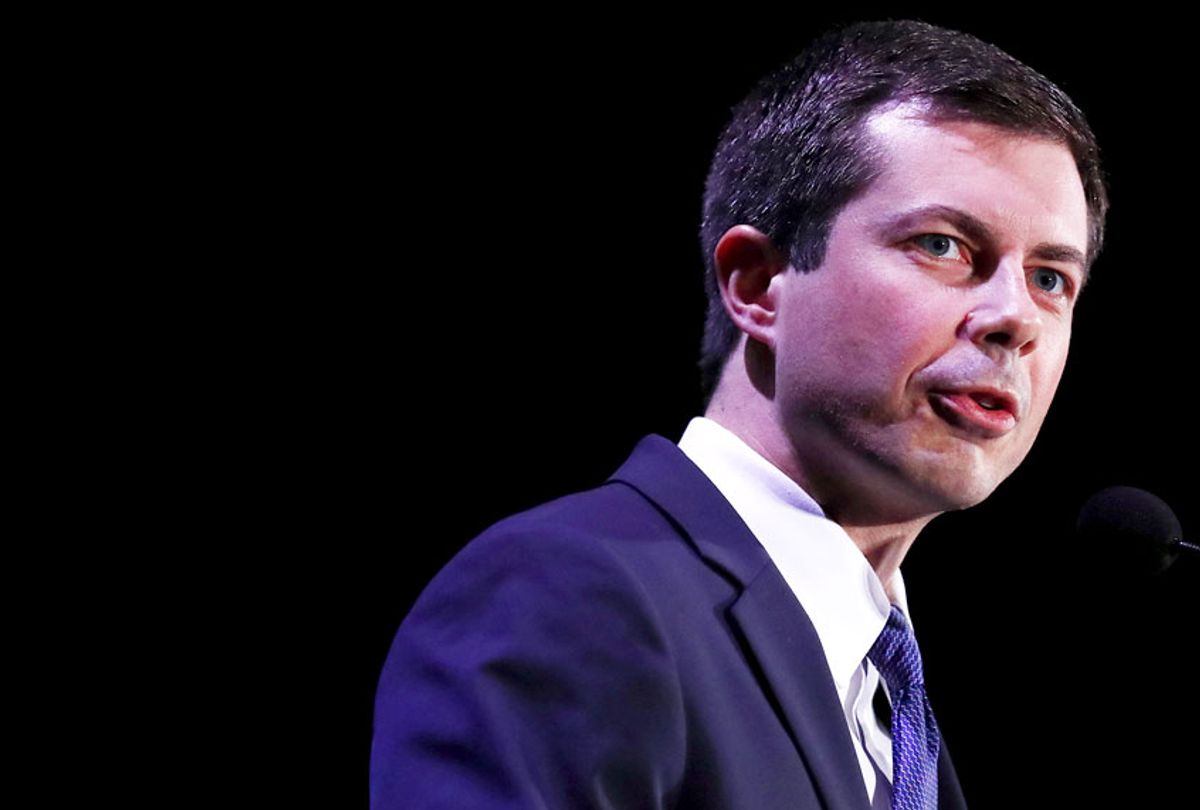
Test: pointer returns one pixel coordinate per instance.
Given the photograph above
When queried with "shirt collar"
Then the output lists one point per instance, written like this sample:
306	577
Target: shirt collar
831	578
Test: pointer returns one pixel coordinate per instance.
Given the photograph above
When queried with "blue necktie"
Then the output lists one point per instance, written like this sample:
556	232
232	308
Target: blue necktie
914	733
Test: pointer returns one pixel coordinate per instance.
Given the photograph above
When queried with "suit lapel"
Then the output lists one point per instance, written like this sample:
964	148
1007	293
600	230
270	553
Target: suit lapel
787	649
950	795
777	634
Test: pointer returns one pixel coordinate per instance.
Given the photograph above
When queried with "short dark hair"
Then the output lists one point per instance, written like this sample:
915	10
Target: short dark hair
795	152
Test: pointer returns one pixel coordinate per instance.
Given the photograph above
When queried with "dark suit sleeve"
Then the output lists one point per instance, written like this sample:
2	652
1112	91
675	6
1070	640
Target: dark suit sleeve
531	673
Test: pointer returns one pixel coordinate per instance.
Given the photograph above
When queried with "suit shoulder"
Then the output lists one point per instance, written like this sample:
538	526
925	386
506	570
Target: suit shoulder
535	634
583	540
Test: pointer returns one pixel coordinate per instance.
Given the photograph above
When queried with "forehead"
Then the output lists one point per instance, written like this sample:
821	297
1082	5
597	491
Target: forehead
1025	188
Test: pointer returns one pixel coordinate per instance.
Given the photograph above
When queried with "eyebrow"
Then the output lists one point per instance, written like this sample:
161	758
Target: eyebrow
979	231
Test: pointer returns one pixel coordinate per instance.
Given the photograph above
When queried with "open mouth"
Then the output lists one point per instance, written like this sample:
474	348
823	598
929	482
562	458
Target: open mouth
989	403
978	413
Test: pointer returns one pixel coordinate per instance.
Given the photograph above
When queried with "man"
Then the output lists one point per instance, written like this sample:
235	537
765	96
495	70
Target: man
897	224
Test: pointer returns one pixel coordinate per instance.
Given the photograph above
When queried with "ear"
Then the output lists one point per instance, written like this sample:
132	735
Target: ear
746	262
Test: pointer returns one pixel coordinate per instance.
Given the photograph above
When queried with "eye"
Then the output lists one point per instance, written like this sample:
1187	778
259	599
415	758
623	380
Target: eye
942	246
1050	281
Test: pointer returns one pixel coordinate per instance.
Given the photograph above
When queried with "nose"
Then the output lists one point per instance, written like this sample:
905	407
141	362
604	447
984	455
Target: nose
1004	314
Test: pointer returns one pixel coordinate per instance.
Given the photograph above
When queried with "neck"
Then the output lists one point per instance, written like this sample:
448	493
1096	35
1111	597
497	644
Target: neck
885	547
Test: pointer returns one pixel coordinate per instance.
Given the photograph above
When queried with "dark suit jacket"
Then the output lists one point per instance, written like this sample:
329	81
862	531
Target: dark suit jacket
631	646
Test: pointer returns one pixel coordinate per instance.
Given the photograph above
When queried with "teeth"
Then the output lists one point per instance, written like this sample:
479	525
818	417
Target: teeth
988	403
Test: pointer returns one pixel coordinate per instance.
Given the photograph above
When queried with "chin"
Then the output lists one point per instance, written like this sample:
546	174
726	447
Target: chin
966	501
964	495
950	493
966	480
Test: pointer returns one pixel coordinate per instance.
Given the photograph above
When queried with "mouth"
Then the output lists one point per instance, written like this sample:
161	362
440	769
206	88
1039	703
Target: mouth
985	413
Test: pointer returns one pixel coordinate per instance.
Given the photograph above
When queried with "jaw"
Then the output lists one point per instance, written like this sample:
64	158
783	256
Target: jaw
907	472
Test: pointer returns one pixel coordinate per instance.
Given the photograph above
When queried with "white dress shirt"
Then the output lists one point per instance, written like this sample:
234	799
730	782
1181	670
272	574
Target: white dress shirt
831	578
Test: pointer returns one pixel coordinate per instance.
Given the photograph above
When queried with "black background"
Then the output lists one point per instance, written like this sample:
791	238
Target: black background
517	300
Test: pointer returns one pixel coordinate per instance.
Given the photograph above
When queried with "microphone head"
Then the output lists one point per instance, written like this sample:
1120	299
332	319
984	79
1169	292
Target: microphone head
1131	530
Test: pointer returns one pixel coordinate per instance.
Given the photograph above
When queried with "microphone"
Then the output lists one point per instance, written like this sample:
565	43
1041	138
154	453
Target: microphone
1134	530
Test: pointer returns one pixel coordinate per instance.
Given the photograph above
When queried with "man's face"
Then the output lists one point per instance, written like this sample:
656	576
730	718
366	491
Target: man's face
916	365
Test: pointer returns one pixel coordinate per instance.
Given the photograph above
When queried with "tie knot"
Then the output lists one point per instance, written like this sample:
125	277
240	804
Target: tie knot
895	654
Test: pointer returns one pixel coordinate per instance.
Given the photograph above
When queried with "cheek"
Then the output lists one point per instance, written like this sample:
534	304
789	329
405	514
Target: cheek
886	320
882	346
1044	387
901	334
1047	374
